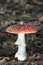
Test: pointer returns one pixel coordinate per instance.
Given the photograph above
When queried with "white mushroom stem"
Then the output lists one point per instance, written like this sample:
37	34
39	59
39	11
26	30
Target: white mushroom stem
21	53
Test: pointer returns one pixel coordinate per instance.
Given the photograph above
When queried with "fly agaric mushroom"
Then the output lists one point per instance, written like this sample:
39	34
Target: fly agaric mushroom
21	30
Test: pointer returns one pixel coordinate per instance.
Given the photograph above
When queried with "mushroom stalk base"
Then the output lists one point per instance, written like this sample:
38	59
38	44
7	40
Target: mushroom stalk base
21	53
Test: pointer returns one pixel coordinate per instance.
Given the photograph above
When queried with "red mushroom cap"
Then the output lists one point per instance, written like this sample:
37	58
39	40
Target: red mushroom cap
21	28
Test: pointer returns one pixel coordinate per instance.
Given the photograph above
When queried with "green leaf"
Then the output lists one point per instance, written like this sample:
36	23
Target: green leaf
14	18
